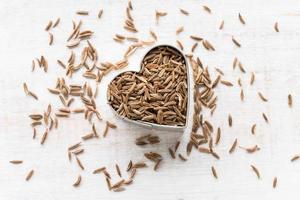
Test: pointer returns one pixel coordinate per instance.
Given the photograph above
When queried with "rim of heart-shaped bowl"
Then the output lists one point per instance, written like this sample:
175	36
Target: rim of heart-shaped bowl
150	125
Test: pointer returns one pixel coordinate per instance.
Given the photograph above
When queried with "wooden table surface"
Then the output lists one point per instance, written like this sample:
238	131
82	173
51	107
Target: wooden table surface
272	56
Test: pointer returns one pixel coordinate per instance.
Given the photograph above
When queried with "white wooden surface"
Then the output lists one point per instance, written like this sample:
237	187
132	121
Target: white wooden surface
274	57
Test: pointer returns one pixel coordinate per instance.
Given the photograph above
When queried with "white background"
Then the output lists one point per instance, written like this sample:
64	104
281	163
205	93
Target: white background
274	57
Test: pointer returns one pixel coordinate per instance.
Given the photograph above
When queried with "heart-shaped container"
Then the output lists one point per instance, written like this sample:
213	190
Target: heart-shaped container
150	125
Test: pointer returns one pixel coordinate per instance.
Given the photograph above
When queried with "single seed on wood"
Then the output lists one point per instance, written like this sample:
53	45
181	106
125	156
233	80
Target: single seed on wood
252	78
77	182
241	67
196	38
236	42
214	172
207	9
56	22
265	117
129	166
179	30
48	25
184	12
157	165
262	97
118	170
241	19
256	171
275	182
221	25
227	83
233	147
44	137
253	128
82	12
29	175
16	161
296	157
290	100
79	163
50	38
235	61
230	120
171	152
276	27
242	95
181	157
218	136
99	170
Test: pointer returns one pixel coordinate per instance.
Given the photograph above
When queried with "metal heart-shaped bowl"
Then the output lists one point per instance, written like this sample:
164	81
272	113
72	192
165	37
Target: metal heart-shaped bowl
151	125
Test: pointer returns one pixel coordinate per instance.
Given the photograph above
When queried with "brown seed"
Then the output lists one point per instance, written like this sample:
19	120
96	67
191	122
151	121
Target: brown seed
29	175
194	47
214	172
233	147
207	9
157	165
227	83
88	136
34	133
252	78
77	182
180	45
56	22
296	157
100	13
241	67
33	95
262	97
79	163
99	170
242	96
16	161
176	146
253	128
171	152
139	165
82	12
265	117
251	149
118	170
256	171
241	19
181	157
108	183
276	27
218	136
290	100
44	137
25	88
179	30
184	12
196	38
236	42
153	35
230	120
118	184
221	25
129	166
48	25
234	64
275	182
50	38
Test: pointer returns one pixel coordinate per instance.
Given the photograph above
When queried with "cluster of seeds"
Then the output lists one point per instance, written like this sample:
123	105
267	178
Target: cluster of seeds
157	94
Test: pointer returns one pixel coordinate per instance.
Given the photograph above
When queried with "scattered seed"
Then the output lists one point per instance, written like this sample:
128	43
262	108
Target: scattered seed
218	136
16	161
256	171
236	42
171	152
230	120
262	97
184	12
180	45
241	19
253	128
29	175
265	117
233	147
275	182
48	26
214	172
227	83
207	9
290	100
50	38
56	22
100	13
179	30
44	137
221	25
82	12
252	78
79	163
276	27
296	157
118	170
77	182
99	170
181	157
